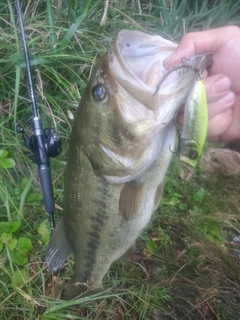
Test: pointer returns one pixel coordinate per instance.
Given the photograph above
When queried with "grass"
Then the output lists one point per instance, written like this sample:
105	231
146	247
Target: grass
186	265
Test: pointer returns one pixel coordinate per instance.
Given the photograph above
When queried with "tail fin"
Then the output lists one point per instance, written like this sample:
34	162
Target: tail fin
59	249
75	289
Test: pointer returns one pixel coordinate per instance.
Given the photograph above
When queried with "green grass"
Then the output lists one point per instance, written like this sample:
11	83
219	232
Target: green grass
185	265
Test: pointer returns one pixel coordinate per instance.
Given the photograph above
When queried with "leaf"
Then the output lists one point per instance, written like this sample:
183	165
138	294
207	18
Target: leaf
175	200
89	7
182	206
4	226
24	183
24	193
200	194
1	246
3	154
14	226
52	34
44	231
24	245
36	61
19	257
7	163
19	277
11	244
71	31
34	197
5	237
4	161
17	191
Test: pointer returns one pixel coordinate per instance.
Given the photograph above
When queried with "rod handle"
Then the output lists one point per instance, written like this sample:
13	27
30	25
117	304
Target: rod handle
47	188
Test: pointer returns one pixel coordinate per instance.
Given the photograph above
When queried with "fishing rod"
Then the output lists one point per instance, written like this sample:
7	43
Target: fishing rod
44	143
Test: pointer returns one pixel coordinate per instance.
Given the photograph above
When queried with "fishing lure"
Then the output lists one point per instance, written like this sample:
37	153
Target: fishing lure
195	124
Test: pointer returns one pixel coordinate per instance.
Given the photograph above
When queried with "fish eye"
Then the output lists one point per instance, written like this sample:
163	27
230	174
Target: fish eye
99	93
193	154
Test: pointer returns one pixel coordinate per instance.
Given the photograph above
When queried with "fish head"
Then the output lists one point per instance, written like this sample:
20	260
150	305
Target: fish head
123	81
95	115
120	122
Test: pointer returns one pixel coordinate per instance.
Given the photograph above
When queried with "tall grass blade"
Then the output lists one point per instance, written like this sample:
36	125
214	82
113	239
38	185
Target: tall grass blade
52	34
16	96
73	28
23	196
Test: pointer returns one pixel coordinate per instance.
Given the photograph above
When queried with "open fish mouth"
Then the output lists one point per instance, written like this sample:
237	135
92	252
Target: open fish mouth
135	61
140	57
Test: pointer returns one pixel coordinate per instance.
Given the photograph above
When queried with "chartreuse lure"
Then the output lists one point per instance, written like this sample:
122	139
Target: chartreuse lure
195	124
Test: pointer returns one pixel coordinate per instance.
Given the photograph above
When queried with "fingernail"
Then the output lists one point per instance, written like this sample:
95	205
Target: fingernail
222	84
228	98
170	61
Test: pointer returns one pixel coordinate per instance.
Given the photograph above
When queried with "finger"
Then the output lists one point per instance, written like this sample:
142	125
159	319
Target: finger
218	125
219	94
217	86
207	41
221	105
233	131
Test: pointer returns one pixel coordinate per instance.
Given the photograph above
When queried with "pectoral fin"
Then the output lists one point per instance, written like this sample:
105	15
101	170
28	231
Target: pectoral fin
130	199
76	289
59	249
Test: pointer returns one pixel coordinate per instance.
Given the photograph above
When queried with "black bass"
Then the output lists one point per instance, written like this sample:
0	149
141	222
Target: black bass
119	152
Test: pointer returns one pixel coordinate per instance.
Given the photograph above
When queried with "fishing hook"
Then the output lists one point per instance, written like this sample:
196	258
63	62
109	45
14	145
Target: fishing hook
205	62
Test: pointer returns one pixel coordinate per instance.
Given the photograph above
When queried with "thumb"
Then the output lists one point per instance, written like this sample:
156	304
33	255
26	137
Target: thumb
208	41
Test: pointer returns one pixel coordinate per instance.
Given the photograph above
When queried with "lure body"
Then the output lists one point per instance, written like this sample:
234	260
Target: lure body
195	124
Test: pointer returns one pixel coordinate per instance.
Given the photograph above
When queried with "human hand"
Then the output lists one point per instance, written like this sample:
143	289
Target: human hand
223	80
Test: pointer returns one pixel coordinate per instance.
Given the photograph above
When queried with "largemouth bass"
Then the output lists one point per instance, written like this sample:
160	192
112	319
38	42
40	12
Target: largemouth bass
119	152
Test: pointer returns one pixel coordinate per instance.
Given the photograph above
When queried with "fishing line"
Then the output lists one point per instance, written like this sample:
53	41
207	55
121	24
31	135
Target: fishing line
44	143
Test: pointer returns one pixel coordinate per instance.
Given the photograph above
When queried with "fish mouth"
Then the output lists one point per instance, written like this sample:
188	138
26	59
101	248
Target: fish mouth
142	55
135	60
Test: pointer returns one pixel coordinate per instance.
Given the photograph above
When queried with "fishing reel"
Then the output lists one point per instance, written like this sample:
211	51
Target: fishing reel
50	142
